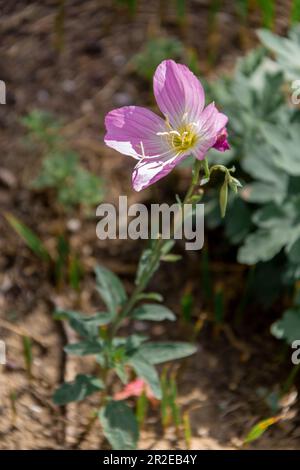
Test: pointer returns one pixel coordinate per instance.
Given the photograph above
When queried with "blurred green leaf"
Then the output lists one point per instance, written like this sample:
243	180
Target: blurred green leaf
257	431
84	348
29	237
86	326
146	371
288	327
78	390
153	312
159	352
111	289
119	425
154	52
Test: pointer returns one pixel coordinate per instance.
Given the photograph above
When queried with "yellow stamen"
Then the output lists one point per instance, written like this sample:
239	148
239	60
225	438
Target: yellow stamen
181	139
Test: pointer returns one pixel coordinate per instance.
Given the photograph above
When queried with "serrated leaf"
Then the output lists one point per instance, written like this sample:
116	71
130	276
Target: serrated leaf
80	388
158	352
153	312
119	425
111	289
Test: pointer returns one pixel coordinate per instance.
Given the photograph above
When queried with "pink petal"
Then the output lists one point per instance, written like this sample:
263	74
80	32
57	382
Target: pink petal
222	143
132	131
211	125
134	389
148	171
178	92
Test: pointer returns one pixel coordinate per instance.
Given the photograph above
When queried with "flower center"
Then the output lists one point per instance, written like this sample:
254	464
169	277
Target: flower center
182	139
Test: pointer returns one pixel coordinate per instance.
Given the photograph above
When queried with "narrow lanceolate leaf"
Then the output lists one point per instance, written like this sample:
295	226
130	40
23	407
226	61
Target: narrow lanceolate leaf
111	289
260	428
80	388
153	312
119	425
29	237
147	372
86	326
154	296
84	348
159	352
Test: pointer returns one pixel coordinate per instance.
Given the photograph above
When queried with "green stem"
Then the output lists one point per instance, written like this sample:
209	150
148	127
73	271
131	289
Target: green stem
194	182
157	252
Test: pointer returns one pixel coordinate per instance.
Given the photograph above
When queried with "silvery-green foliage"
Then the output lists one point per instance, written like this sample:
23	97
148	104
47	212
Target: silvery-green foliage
264	133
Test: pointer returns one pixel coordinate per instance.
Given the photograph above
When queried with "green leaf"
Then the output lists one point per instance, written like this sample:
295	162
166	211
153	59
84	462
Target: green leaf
260	193
158	352
84	348
29	237
119	425
27	351
75	272
187	303
150	296
269	216
154	52
268	12
286	146
111	289
286	50
147	372
80	388
86	326
288	327
238	221
153	312
171	258
295	13
257	431
294	252
263	245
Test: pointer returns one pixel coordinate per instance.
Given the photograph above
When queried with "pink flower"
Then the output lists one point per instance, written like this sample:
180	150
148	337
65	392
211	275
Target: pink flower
159	144
135	389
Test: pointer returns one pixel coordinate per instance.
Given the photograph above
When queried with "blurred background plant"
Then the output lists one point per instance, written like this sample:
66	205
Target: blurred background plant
61	169
264	218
